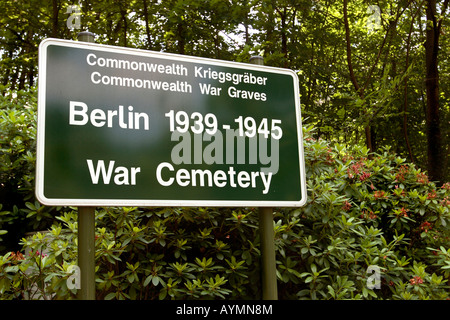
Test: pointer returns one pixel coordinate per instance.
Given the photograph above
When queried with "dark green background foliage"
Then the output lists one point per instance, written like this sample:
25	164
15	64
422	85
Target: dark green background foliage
363	210
359	91
357	85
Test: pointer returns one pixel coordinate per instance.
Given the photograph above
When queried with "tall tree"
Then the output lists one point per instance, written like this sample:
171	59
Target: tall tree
349	77
433	31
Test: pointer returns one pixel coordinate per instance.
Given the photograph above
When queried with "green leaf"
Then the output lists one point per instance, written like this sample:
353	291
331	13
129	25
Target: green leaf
31	206
147	280
331	291
110	296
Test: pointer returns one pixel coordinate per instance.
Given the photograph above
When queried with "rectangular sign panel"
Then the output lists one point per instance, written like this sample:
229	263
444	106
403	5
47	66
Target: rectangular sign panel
128	127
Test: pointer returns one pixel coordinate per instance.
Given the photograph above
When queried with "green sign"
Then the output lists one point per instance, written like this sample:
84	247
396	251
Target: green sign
128	127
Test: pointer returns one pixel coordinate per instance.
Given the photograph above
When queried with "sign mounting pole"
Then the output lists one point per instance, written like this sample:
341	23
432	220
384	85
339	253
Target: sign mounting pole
86	233
269	268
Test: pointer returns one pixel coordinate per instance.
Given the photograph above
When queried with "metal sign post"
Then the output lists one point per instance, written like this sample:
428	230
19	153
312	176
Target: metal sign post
86	234
86	252
268	253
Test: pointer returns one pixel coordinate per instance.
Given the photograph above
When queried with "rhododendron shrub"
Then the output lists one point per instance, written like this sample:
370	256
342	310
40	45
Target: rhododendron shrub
374	227
367	210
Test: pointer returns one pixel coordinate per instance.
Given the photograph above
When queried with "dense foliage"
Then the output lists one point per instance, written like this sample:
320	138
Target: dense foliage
364	211
363	65
373	136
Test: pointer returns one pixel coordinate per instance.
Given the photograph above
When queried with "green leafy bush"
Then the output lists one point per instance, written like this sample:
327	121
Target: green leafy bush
364	212
19	212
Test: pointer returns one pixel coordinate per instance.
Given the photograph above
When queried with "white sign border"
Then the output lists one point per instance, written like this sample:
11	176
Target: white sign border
40	152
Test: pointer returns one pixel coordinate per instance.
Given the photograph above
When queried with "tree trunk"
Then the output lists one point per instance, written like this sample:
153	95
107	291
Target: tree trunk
434	138
405	92
284	48
55	14
123	14
147	27
359	91
181	33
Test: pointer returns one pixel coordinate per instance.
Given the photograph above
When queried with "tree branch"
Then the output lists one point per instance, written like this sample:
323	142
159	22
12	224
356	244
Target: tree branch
349	51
